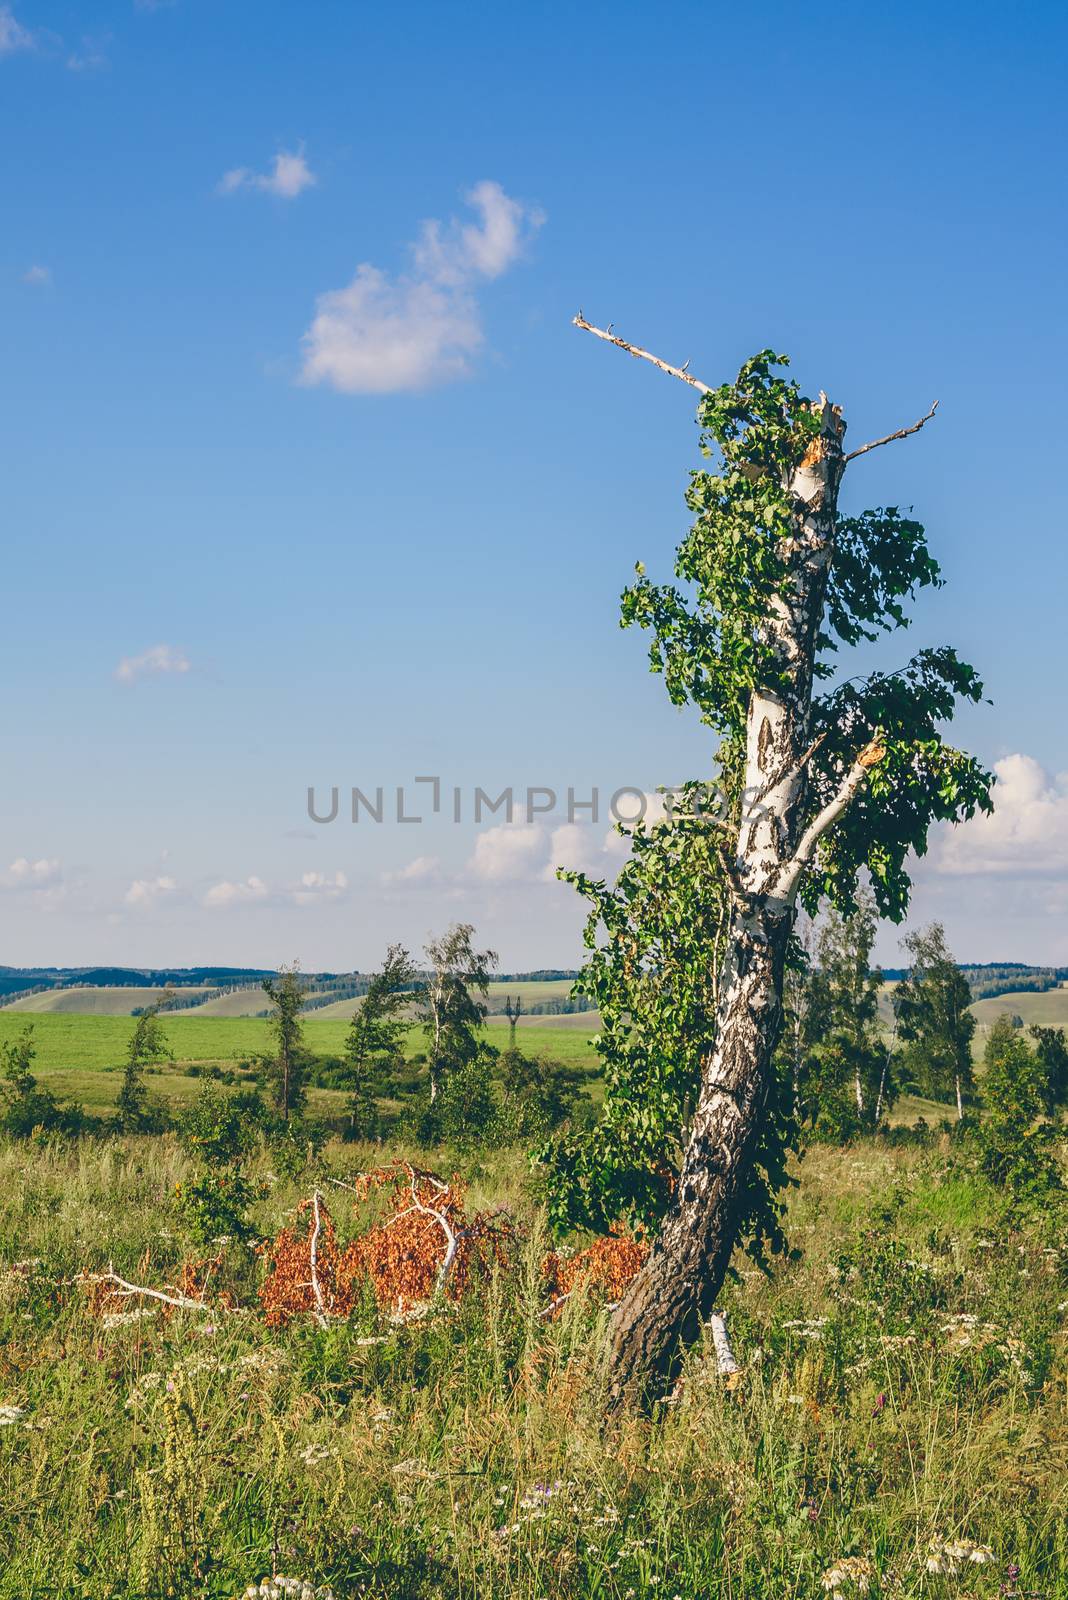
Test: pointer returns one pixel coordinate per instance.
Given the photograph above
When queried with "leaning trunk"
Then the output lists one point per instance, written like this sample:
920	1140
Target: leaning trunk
682	1275
678	1284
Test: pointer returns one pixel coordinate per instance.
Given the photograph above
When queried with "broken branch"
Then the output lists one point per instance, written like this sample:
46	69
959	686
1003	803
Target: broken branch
642	355
902	433
123	1290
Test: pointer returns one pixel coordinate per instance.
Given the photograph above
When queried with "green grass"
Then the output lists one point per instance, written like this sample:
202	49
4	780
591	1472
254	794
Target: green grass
80	1057
462	1457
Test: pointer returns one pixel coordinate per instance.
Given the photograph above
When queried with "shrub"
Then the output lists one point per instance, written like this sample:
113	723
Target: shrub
214	1205
219	1127
1017	1145
25	1108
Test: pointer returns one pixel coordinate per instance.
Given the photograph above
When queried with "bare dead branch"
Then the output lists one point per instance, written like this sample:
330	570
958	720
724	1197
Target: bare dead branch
123	1291
313	1257
642	355
725	1362
902	433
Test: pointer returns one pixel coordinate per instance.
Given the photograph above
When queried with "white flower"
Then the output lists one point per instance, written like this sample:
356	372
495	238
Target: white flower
856	1571
317	1452
115	1319
287	1589
11	1414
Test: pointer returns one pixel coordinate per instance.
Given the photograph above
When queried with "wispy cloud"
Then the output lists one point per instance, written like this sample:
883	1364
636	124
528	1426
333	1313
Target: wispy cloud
90	57
382	334
423	869
37	277
289	176
161	658
13	36
145	892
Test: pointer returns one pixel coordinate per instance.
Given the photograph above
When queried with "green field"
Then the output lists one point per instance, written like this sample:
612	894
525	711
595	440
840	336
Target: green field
80	1057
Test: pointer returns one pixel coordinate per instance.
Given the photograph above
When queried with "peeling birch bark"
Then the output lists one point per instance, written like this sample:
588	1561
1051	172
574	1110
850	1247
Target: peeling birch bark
725	1362
677	1287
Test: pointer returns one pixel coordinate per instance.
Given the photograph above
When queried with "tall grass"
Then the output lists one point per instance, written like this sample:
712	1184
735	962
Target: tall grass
904	1381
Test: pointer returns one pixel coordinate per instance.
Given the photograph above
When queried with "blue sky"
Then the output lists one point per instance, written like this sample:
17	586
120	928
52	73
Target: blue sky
353	501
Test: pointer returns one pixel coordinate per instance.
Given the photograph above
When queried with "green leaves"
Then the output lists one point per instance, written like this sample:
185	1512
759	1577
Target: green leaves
710	647
879	557
919	780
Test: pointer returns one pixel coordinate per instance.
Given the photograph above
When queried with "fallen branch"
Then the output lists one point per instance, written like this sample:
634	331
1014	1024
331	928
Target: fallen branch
902	433
123	1291
313	1250
725	1362
642	355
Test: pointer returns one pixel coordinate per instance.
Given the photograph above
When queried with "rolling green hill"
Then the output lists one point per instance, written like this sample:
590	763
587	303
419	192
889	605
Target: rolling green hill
98	1002
1049	1008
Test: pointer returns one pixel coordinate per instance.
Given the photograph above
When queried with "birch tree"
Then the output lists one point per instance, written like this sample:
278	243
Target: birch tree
823	781
454	999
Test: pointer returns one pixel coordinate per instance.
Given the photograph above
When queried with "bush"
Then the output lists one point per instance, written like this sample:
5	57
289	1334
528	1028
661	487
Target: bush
221	1127
214	1205
26	1109
1017	1145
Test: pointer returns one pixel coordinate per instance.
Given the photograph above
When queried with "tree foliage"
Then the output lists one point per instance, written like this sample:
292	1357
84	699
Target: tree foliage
1051	1053
374	1043
1017	1144
838	1059
454	1000
287	1066
933	1020
660	936
135	1112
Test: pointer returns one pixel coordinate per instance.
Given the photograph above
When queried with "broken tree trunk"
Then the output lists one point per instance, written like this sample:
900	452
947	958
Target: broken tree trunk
678	1284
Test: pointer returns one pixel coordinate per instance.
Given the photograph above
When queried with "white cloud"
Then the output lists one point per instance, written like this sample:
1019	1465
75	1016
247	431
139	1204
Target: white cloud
507	853
423	869
580	848
13	36
225	894
311	889
37	277
160	658
382	334
33	875
315	886
289	176
1027	834
146	891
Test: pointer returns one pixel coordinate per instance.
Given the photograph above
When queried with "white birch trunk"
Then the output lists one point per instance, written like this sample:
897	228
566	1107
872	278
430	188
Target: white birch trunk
682	1276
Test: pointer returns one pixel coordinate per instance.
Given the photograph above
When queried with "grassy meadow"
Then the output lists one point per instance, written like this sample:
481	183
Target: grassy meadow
904	1386
79	1057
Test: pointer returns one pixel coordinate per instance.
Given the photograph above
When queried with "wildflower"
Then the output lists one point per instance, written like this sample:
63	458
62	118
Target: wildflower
949	1555
287	1589
115	1319
11	1414
313	1453
849	1571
